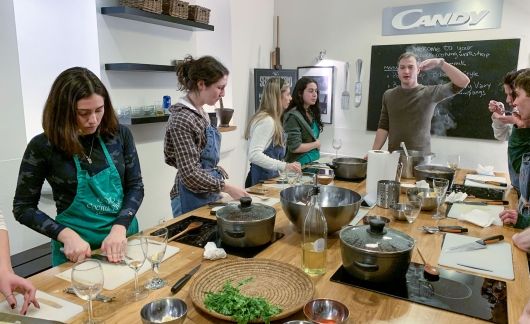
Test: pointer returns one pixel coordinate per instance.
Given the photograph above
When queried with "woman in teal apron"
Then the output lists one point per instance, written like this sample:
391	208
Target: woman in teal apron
302	123
265	127
91	164
191	144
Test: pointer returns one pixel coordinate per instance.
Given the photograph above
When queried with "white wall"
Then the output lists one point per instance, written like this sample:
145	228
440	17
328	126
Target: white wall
348	29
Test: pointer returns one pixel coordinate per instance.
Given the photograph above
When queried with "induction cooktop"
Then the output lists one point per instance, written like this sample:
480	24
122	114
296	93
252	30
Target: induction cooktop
456	292
208	233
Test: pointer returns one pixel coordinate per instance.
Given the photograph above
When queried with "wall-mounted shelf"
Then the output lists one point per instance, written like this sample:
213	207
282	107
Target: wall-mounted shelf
152	18
144	120
139	67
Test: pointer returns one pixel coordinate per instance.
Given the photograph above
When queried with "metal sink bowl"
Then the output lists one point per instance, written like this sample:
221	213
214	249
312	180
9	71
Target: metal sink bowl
339	205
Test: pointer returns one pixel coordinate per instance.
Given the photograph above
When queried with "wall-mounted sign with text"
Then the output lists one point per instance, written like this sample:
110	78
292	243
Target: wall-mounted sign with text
442	17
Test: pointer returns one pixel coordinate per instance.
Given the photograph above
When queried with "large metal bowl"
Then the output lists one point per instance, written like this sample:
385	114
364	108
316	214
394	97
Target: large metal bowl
428	172
339	205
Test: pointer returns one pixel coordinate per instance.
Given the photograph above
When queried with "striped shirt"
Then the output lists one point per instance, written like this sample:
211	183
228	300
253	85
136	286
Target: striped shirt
183	143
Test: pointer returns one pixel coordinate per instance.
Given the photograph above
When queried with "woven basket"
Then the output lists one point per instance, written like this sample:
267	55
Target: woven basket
154	6
280	283
199	14
175	8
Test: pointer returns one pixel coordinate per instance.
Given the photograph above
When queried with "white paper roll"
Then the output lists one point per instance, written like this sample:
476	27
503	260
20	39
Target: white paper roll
382	165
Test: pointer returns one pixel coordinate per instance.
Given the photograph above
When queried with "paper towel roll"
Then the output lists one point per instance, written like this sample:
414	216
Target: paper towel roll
382	165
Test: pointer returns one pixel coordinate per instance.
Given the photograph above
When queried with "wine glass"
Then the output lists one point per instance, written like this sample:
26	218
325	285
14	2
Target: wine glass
440	189
87	281
156	248
453	160
337	144
412	213
135	258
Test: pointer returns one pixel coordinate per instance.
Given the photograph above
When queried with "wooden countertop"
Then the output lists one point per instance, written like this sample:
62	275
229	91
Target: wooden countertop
364	306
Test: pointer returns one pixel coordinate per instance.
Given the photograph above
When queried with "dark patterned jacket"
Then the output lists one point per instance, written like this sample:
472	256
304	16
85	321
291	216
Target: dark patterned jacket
43	161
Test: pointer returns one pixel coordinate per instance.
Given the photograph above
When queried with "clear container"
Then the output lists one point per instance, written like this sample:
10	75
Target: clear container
314	238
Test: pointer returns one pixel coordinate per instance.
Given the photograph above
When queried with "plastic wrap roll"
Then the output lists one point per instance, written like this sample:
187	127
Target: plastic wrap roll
382	165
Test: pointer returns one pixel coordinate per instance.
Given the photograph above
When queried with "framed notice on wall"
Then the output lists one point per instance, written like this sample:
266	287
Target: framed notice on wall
262	75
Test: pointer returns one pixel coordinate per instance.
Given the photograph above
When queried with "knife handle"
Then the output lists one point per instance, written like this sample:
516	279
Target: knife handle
493	239
452	229
496	183
180	283
497	202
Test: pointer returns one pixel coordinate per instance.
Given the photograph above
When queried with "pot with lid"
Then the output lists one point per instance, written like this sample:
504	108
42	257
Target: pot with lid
349	168
413	159
247	224
375	253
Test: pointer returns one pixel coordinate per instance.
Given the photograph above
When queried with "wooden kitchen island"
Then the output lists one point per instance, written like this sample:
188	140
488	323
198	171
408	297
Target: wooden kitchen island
364	306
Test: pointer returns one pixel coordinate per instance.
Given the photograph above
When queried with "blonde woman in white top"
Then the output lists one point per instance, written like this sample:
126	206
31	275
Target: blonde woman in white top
265	134
9	281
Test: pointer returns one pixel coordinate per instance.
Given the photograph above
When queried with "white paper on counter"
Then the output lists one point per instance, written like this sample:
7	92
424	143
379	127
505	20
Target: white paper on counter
382	165
115	275
66	310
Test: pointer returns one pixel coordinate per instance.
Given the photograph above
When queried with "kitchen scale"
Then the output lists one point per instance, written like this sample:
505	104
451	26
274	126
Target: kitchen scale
456	292
208	233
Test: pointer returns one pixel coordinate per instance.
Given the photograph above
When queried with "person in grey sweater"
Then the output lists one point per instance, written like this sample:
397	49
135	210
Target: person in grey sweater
408	108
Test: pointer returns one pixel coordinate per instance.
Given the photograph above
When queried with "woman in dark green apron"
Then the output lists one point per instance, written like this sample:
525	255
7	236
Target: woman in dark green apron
91	164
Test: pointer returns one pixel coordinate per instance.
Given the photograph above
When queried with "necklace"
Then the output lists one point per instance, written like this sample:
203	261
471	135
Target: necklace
88	158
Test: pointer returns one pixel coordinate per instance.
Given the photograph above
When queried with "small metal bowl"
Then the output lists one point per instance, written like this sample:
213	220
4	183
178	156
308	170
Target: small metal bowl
398	211
297	322
366	219
427	197
326	310
164	310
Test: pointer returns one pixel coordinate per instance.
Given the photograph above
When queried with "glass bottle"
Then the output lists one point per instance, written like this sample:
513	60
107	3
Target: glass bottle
314	238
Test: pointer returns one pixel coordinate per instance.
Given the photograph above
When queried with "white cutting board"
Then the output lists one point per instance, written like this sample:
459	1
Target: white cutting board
496	257
457	210
484	178
63	313
115	275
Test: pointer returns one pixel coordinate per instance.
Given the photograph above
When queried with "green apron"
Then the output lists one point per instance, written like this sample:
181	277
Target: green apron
96	205
314	154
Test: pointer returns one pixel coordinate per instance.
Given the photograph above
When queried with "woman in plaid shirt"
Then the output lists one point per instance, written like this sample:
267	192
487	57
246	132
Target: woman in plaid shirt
191	144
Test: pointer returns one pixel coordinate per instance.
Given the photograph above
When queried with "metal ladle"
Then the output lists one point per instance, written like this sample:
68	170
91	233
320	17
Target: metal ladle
430	272
404	147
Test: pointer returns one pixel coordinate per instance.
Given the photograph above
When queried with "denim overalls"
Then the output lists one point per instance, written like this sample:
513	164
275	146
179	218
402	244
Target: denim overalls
257	173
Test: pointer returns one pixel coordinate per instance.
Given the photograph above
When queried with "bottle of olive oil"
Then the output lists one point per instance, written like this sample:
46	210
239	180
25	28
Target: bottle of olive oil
314	238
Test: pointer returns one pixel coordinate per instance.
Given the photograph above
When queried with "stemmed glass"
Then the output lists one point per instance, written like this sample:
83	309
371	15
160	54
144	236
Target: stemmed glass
135	258
412	213
156	248
440	189
453	160
337	144
87	281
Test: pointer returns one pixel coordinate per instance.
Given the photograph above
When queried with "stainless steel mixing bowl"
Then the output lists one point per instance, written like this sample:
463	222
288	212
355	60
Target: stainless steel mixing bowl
339	205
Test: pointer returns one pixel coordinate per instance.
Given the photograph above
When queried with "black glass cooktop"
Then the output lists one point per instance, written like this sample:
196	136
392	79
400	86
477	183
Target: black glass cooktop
208	233
456	292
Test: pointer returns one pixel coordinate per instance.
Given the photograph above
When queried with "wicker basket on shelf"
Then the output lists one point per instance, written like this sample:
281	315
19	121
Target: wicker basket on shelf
154	6
199	14
175	8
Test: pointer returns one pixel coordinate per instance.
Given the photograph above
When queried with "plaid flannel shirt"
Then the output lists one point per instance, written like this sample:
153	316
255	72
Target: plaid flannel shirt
184	141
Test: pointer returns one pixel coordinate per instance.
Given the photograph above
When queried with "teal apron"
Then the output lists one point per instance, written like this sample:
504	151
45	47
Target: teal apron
96	205
314	154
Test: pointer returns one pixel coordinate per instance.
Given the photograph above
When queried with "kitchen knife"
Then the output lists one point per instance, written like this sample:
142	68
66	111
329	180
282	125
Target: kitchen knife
478	244
493	183
483	203
182	281
103	258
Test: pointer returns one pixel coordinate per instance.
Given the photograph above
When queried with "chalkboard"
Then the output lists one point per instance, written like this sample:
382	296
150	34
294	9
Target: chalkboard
465	115
262	75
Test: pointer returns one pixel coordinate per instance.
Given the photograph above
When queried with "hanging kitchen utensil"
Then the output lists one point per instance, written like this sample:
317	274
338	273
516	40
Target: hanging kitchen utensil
277	65
358	91
345	102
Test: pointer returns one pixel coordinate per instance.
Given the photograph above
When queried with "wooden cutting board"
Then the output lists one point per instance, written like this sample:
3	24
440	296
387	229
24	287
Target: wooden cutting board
495	257
51	307
115	275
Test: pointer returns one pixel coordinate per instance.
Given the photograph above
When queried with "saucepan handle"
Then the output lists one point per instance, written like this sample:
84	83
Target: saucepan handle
366	267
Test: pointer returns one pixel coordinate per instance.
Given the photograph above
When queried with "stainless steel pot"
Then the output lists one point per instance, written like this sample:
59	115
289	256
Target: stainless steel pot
349	168
375	253
428	172
246	224
415	158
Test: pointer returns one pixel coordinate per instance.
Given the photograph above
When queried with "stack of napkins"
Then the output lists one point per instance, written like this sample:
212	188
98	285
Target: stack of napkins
456	196
486	170
480	218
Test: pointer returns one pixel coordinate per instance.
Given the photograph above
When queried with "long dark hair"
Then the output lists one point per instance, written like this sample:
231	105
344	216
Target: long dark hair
298	102
206	68
59	118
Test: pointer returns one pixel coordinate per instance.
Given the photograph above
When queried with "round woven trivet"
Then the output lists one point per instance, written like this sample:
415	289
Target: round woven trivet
282	284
